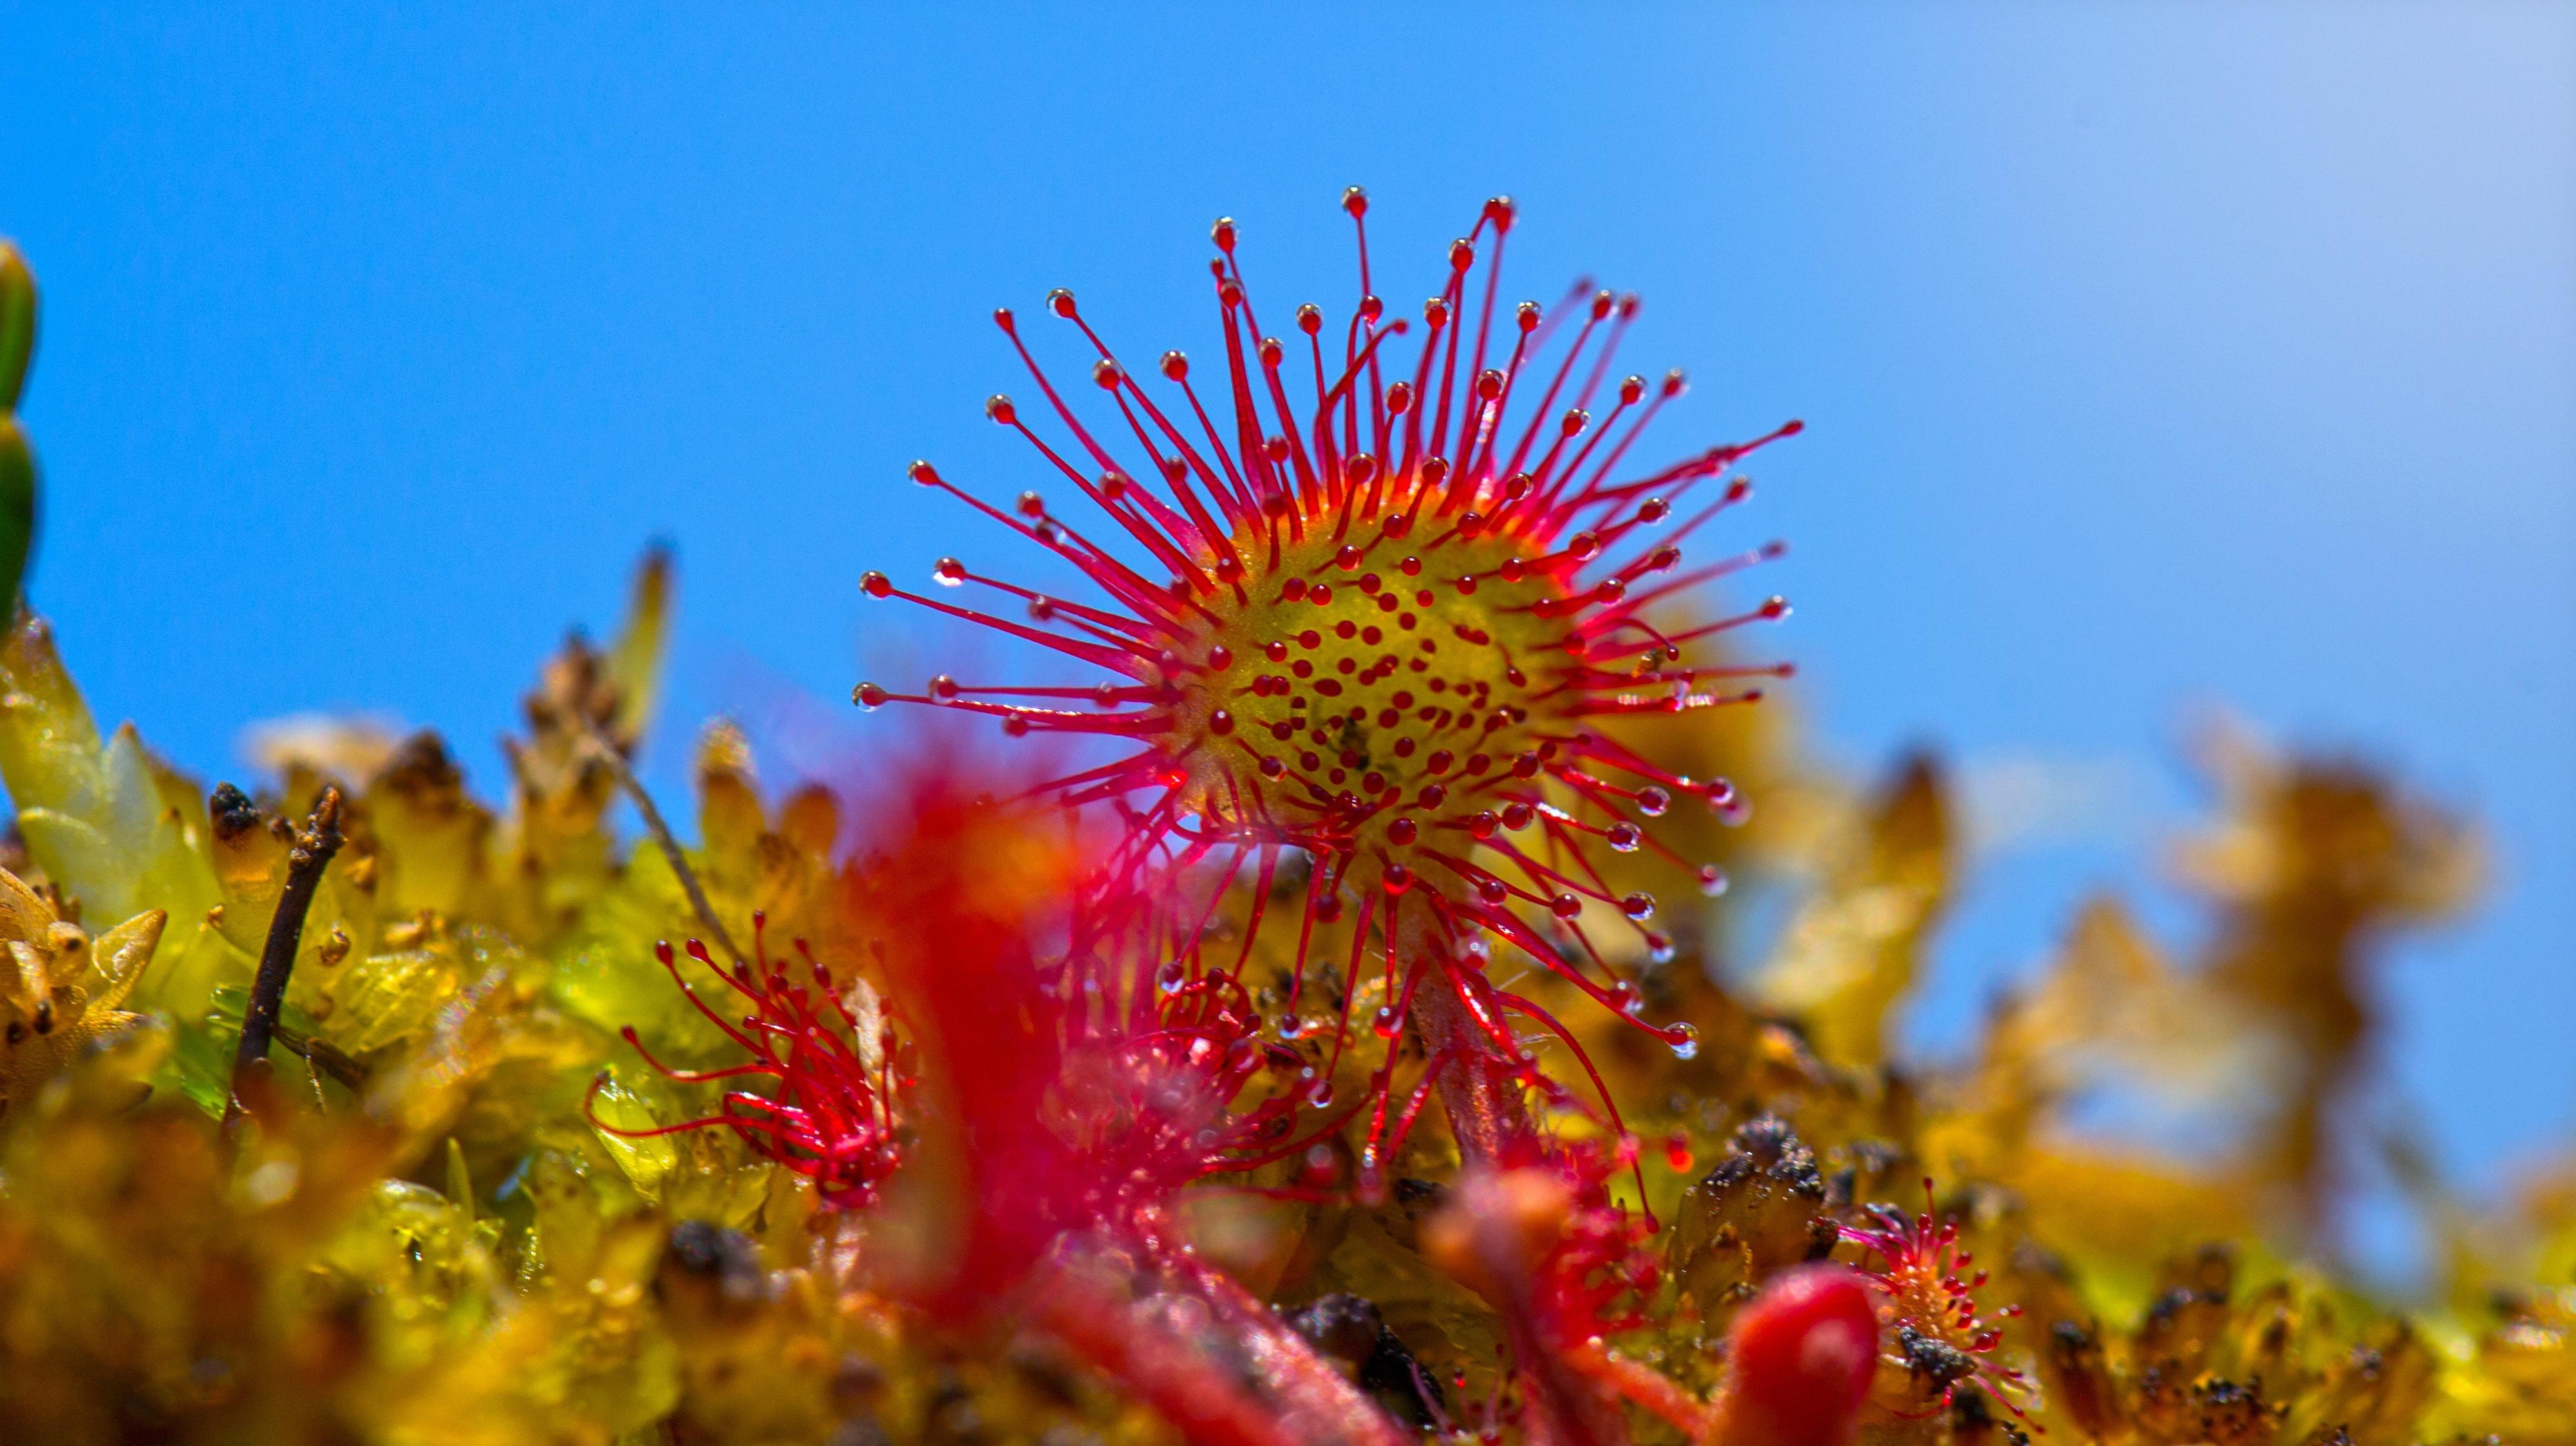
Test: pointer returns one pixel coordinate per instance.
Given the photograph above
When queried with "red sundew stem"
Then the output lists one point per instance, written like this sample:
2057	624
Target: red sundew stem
1736	492
1485	315
1112	576
1450	296
1592	491
588	1112
663	953
1139	694
1328	453
1435	318
1512	927
1763	614
1252	926
688	1076
1176	477
1610	752
1722	568
1122	581
1331	1128
1112	659
1557	822
1539	872
1127	773
1716	459
1144	530
1247	417
1575	927
1357	360
1480	457
1547	401
1543	486
1243	504
1387	931
1310	486
1609	350
1160	527
1009	324
1048	720
1550	319
1170	525
1216	536
1557	501
1611	533
1315	873
1108	626
1480	1093
1471	990
1351	975
1375	1155
1618	1126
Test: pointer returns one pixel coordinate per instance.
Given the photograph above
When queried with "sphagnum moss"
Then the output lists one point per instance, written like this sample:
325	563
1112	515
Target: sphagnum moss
995	1129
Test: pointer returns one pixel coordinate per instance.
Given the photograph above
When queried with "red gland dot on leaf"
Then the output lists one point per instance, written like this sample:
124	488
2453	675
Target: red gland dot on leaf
1801	1358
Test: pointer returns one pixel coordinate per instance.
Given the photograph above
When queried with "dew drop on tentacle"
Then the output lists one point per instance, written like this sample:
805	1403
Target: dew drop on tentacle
1684	1039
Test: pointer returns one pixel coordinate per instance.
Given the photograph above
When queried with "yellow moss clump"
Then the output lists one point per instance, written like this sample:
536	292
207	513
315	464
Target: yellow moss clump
508	1178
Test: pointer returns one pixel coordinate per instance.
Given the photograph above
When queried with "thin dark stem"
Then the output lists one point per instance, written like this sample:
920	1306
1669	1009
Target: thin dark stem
315	844
324	1056
662	835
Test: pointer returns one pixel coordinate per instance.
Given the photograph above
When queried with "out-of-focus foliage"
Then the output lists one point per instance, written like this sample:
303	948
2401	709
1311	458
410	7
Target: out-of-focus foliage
511	1181
424	1234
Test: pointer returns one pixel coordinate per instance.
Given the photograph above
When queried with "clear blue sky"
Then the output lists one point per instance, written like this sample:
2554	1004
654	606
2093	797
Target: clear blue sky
2152	356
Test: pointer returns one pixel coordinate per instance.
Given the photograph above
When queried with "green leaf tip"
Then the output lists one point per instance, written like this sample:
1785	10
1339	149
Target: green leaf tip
17	460
17	324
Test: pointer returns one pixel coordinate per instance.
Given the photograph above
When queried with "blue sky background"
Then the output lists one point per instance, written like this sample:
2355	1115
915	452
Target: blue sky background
2154	356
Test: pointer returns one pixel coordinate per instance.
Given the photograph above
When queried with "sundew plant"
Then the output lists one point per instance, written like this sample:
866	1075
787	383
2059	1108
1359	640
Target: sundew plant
1309	1004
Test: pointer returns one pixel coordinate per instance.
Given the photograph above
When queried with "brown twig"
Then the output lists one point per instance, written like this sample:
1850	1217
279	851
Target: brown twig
315	843
662	835
325	1056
